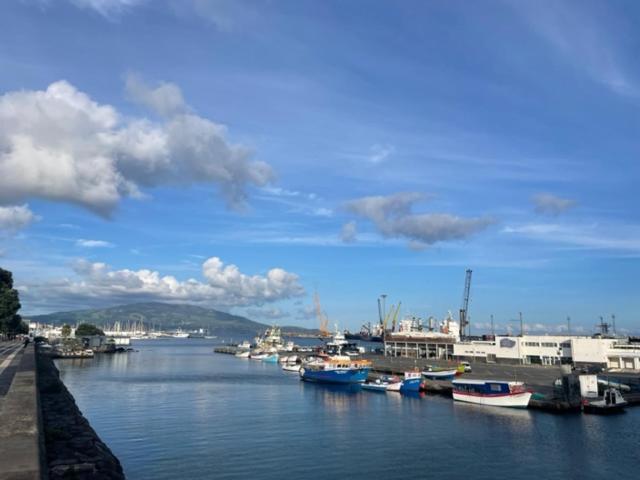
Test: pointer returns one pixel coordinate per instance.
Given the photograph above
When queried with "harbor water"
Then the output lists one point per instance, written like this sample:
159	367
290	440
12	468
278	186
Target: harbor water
174	409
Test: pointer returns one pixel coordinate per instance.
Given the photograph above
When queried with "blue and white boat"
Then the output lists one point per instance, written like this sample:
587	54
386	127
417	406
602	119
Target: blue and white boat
272	358
432	373
342	370
491	392
410	383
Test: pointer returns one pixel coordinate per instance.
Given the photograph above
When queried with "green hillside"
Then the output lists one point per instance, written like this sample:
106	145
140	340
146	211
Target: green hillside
162	316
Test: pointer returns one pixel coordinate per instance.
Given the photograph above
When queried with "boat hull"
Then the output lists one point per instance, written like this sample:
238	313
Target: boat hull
340	376
513	400
411	385
375	387
440	375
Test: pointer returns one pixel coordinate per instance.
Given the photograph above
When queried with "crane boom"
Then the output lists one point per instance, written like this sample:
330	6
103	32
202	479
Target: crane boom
464	309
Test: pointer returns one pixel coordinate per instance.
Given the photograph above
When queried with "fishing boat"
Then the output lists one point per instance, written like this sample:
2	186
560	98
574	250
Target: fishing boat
611	402
272	358
491	392
433	373
339	369
410	383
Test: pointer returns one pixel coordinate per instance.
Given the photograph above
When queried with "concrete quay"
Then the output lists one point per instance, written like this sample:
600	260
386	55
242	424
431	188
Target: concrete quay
43	434
21	441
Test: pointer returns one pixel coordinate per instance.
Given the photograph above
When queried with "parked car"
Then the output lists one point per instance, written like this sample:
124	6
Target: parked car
466	365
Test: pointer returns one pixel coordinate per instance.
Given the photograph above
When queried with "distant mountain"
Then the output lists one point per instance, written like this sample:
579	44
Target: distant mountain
163	316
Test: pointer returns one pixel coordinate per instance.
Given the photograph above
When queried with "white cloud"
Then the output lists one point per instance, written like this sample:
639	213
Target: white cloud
322	212
349	232
165	100
14	218
547	203
223	286
393	218
108	8
93	243
379	153
61	145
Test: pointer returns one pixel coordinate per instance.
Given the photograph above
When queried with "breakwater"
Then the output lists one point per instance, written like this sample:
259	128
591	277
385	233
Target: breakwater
73	448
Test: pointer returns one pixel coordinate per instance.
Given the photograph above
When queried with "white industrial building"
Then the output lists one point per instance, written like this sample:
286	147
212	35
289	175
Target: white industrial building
615	353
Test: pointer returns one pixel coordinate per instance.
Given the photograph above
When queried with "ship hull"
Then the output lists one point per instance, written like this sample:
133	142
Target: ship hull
363	337
339	376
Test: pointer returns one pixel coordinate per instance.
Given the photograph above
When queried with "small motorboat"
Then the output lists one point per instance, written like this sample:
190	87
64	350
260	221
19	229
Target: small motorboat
246	354
258	356
376	386
410	383
271	358
433	373
611	402
291	368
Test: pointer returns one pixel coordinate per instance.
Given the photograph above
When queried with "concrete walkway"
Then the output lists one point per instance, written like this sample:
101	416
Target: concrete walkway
20	429
10	356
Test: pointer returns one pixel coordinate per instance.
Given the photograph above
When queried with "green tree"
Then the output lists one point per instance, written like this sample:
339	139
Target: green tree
66	330
10	321
87	330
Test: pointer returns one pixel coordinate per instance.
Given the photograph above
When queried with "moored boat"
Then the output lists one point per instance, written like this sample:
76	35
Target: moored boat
433	373
340	369
611	402
291	368
272	358
491	392
245	354
376	386
410	383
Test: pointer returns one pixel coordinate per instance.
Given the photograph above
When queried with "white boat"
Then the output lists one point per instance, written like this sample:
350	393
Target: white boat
291	368
491	392
246	354
376	386
611	402
258	356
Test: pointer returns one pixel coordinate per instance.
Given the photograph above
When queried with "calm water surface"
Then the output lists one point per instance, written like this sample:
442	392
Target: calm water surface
174	409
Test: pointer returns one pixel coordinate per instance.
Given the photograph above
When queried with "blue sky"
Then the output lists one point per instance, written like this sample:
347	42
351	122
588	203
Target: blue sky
243	155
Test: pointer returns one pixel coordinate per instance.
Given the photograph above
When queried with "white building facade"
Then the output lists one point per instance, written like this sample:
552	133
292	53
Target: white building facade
552	350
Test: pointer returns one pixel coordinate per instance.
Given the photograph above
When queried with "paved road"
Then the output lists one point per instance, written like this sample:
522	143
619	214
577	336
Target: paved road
10	354
532	375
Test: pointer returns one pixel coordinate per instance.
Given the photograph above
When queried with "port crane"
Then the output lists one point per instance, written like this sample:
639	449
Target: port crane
322	317
392	315
464	309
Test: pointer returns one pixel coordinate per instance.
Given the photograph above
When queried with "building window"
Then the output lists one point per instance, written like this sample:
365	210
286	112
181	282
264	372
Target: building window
549	344
565	344
531	344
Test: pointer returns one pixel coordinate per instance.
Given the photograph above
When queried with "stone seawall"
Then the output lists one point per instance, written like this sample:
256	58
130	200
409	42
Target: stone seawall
73	448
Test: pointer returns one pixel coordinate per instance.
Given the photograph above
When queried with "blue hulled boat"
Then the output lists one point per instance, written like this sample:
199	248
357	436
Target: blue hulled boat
342	370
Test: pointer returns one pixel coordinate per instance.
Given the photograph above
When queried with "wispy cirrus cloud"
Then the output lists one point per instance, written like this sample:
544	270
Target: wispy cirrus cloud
585	39
84	243
586	236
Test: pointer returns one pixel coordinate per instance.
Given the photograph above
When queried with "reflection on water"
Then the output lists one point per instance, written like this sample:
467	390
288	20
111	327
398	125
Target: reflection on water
176	410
